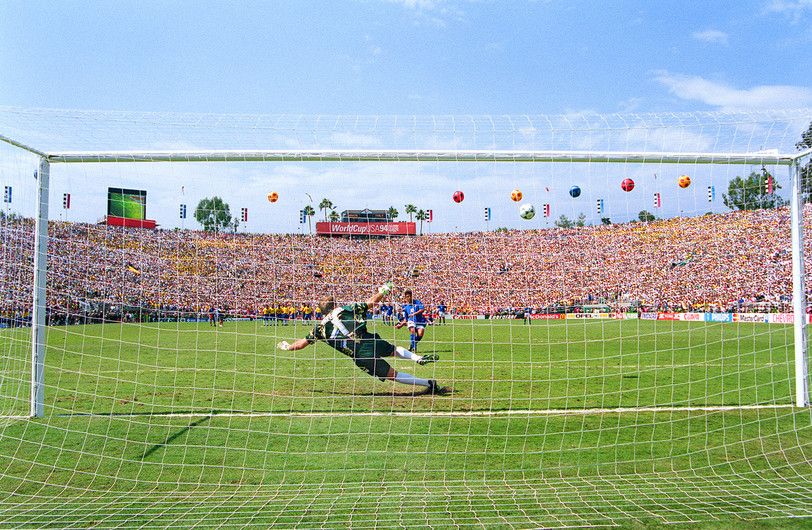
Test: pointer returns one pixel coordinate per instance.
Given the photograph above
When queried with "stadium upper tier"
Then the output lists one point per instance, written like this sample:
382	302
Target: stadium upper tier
713	260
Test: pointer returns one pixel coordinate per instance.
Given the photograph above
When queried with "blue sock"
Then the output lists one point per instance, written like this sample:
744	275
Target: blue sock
412	342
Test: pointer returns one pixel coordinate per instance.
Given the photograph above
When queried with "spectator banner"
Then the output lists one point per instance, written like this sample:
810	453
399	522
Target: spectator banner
750	317
781	318
648	316
693	317
365	229
718	317
587	315
668	316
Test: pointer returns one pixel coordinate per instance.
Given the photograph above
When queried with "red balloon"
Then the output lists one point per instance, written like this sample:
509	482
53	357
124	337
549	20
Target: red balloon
627	185
458	196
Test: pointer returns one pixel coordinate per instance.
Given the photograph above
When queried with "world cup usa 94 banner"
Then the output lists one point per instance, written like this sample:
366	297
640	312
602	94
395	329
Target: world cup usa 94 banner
365	229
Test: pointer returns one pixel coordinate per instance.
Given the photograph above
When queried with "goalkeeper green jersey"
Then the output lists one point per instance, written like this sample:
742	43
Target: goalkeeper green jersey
343	328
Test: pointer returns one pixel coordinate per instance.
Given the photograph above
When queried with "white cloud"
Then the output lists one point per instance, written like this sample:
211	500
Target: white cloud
728	98
711	36
437	13
793	10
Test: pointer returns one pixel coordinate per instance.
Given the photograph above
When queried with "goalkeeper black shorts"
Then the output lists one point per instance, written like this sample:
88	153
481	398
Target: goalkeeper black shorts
368	353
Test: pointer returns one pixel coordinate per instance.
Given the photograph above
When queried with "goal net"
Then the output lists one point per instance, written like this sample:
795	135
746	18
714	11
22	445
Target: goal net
604	324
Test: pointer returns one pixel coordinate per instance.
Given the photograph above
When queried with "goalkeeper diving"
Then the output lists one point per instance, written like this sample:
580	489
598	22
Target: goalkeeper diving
344	328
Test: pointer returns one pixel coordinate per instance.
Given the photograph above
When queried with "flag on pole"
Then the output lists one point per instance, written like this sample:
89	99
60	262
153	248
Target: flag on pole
657	200
600	206
546	210
183	211
244	214
487	214
66	201
7	195
431	215
302	217
711	193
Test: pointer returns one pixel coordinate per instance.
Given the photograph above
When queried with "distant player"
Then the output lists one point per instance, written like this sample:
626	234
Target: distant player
441	313
527	318
414	317
344	328
211	317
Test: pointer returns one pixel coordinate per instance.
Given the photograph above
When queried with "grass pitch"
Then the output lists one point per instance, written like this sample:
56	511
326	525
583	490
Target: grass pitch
562	423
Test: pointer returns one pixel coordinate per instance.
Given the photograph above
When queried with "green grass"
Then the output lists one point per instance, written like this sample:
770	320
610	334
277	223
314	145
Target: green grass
182	425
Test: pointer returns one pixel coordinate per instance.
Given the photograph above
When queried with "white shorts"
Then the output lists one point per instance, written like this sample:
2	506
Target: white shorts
411	325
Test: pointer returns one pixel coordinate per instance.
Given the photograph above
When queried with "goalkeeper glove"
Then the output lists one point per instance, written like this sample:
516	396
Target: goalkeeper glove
386	288
283	345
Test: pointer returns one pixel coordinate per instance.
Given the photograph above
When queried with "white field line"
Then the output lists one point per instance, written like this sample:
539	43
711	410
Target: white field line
575	363
434	413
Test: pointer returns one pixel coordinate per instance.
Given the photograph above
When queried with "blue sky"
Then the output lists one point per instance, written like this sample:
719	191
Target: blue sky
403	57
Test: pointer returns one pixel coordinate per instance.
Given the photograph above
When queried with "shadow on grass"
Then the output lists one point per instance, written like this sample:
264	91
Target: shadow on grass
380	393
174	437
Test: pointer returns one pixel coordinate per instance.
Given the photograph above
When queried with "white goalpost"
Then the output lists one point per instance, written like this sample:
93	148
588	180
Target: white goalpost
636	353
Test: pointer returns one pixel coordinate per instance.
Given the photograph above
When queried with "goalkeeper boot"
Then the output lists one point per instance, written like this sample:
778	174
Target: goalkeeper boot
428	358
436	389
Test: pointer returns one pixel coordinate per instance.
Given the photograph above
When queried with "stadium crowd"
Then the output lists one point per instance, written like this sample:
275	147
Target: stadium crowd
719	262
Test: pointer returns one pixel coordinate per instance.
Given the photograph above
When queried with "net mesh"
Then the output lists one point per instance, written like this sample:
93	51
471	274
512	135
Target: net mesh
624	356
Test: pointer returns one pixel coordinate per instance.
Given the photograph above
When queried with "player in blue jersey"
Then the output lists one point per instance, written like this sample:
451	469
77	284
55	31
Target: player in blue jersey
414	317
441	309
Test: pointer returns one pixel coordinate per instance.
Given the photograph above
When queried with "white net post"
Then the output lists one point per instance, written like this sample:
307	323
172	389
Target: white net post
39	314
799	288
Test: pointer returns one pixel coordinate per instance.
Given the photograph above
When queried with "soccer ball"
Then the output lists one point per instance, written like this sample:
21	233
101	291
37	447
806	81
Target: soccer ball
684	181
627	185
273	197
516	195
458	196
527	211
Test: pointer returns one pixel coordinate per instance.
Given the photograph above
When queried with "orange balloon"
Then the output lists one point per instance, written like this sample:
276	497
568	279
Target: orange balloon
273	197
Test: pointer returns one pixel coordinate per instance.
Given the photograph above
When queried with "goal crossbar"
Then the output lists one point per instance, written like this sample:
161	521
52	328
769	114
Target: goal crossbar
397	155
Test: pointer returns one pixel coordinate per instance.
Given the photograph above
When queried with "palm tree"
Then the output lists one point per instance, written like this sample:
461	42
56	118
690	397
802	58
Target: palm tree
334	216
393	213
421	216
325	205
410	209
309	212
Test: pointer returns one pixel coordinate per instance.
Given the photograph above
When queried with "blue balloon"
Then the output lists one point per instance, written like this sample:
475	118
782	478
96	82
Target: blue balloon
575	191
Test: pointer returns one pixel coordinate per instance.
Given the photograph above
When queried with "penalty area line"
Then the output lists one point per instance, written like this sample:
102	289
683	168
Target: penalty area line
440	413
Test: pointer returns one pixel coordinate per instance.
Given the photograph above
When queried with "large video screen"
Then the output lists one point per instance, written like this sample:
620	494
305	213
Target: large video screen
131	204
